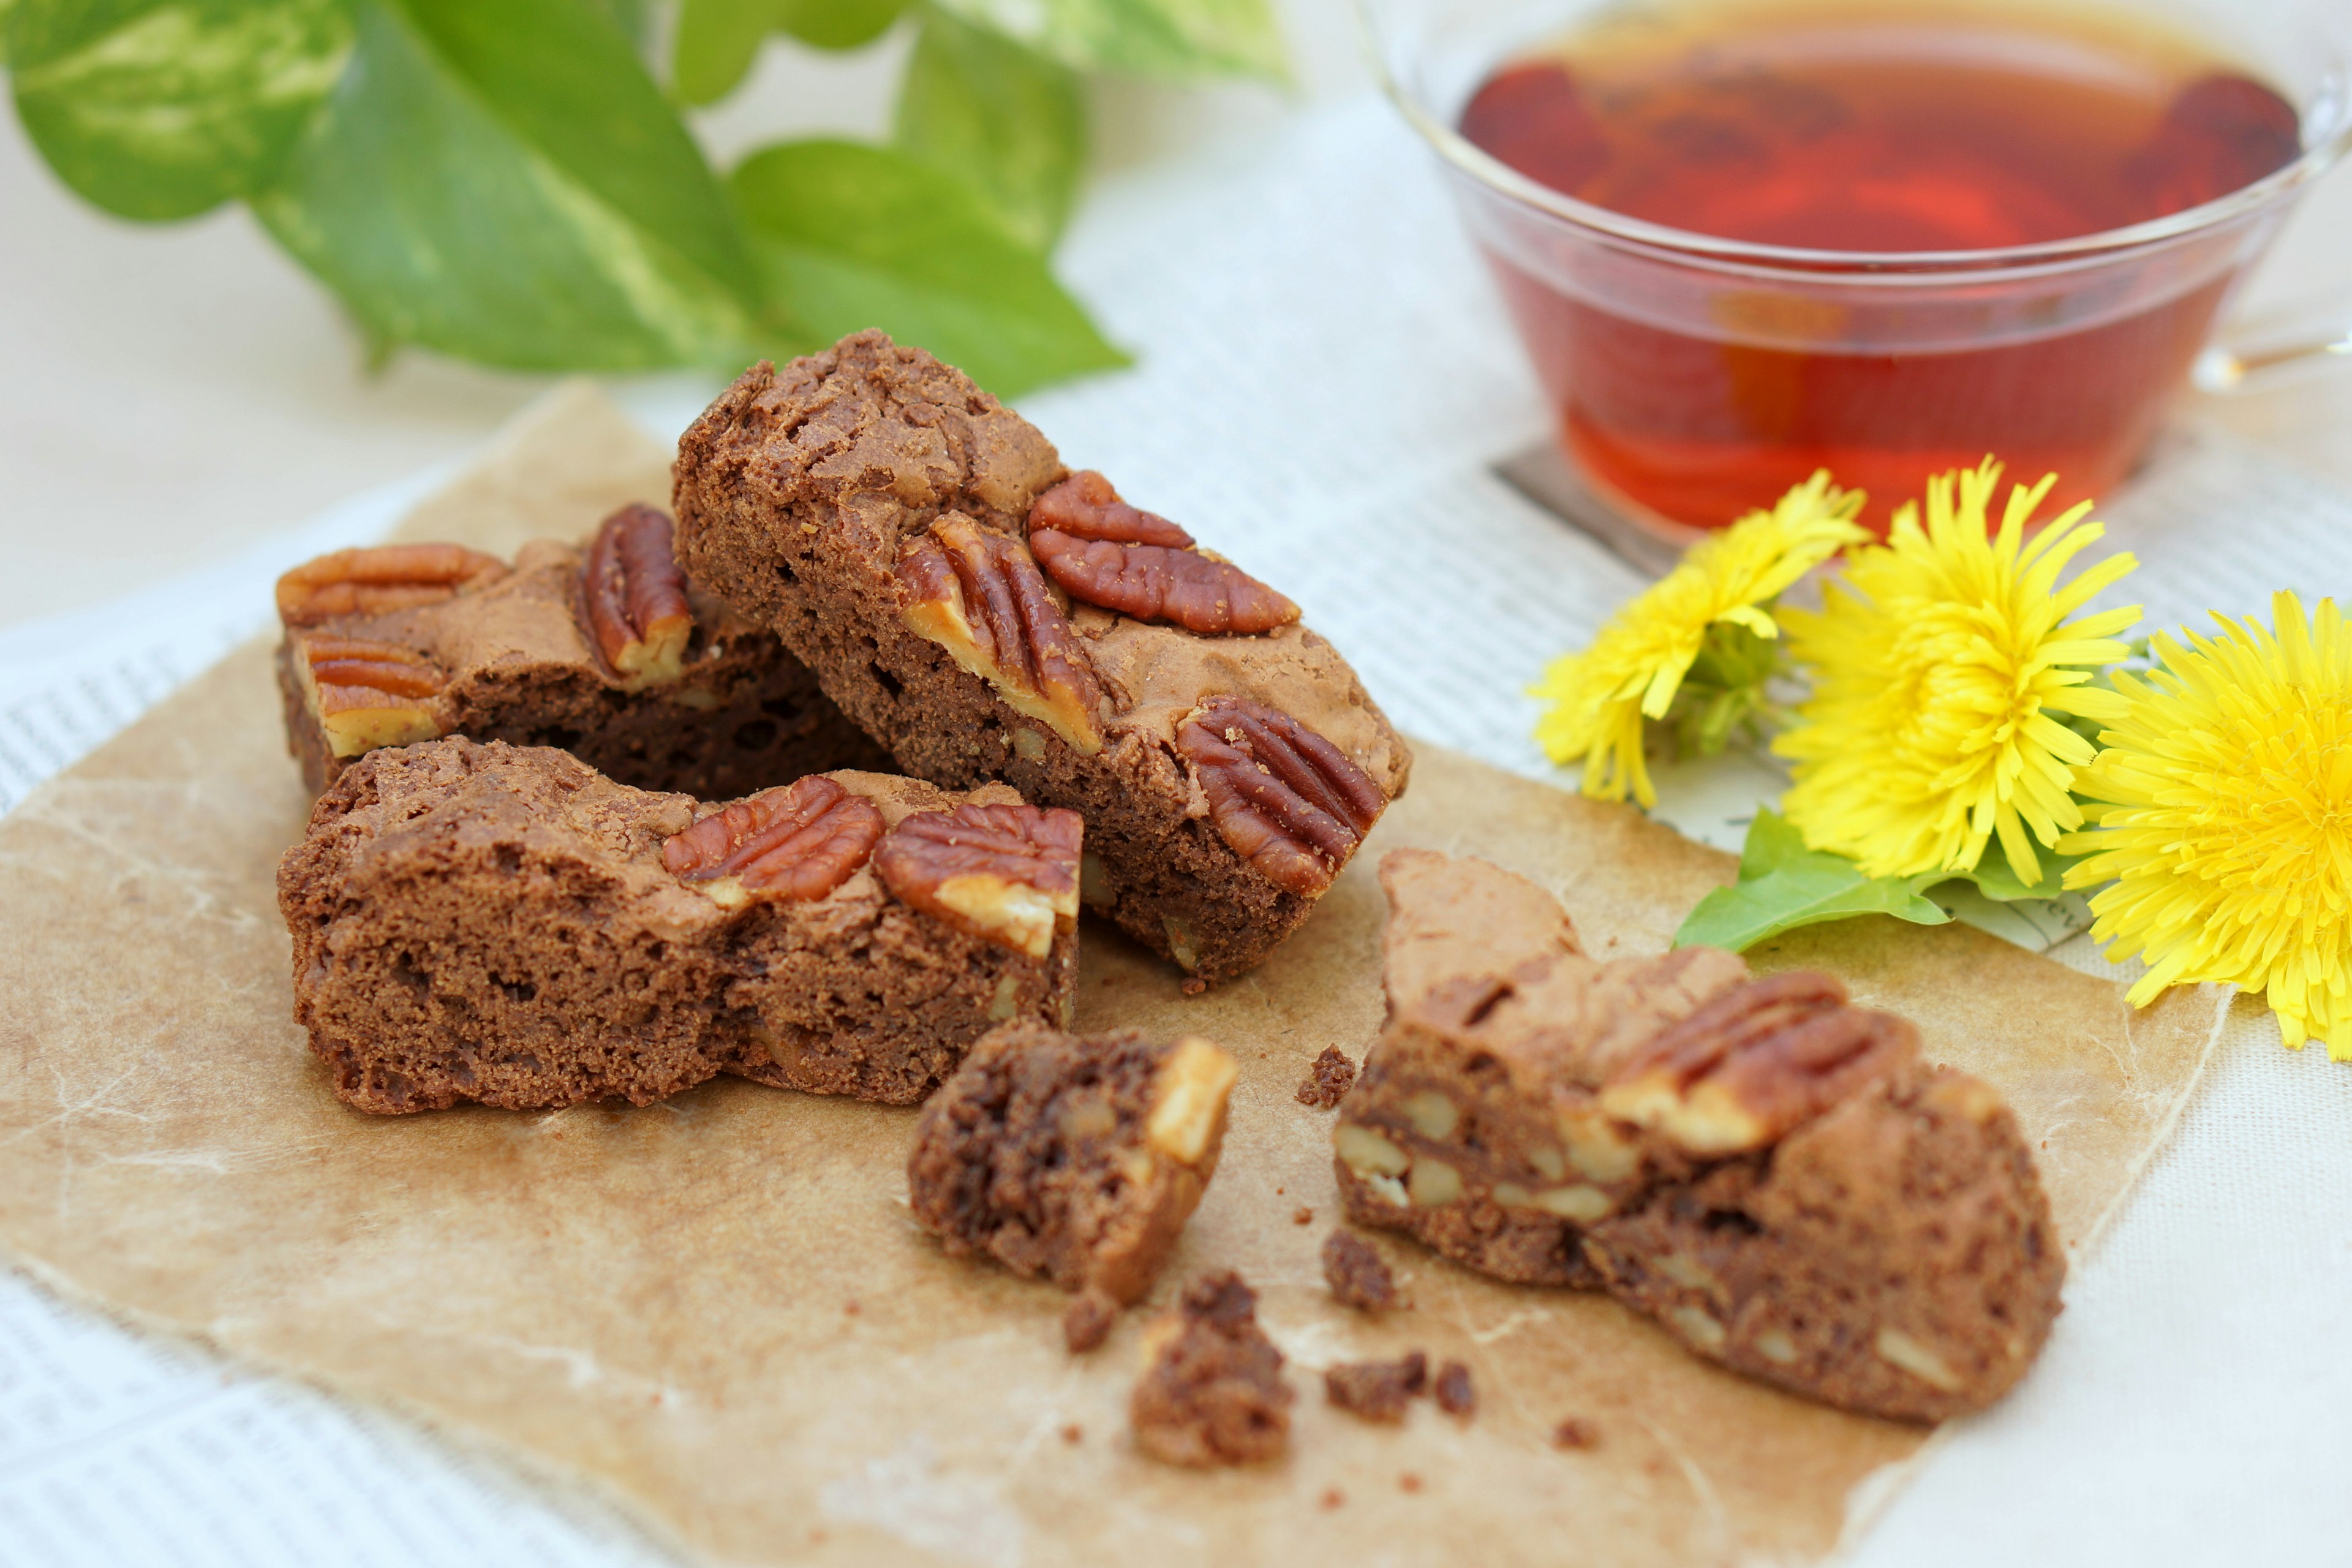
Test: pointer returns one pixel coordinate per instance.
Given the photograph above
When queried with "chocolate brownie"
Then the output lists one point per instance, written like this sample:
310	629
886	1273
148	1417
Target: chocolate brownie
1453	1390
1211	1391
1071	1159
1377	1390
500	923
1764	1167
606	651
1356	1274
1328	1080
986	615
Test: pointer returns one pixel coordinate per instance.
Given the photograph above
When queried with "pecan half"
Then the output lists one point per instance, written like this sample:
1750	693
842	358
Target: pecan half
635	598
380	579
1755	1062
1085	505
1007	874
979	596
801	841
368	694
1104	553
1288	801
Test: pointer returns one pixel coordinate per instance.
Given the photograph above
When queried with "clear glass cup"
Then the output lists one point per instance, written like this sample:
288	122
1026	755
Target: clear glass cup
1693	378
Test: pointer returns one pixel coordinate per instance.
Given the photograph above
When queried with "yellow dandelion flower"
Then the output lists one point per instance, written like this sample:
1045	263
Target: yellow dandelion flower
2227	829
1939	666
1724	583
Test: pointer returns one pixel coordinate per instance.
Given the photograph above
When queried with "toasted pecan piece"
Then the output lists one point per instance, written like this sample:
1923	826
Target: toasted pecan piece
1086	506
1008	873
800	841
635	598
1288	801
1104	553
979	596
367	694
378	579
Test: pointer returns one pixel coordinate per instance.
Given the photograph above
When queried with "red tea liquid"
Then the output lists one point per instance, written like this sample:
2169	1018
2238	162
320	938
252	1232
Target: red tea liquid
1855	127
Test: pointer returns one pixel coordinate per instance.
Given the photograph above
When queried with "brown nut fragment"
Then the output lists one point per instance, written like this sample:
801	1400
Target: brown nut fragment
1008	873
1288	801
1377	1390
1757	1061
635	597
1085	505
379	579
1356	1276
1327	1082
979	596
368	694
1183	587
801	841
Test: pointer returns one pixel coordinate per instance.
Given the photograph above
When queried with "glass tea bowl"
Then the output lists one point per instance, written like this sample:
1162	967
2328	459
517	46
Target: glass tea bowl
1693	378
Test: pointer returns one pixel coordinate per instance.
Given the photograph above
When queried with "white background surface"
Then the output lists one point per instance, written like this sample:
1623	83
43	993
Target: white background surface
1323	380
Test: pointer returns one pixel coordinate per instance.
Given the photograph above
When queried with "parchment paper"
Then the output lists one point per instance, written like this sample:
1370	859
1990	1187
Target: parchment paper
719	1306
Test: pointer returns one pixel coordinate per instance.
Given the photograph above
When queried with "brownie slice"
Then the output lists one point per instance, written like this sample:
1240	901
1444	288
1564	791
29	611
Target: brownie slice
605	650
1765	1168
987	616
503	925
1211	1391
1071	1159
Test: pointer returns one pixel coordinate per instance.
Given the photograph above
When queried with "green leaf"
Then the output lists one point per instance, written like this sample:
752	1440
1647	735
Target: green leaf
500	181
1995	881
858	237
1783	885
838	23
1176	40
1009	123
714	45
162	109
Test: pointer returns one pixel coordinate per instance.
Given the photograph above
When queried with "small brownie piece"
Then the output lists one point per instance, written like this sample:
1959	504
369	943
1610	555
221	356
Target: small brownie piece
1328	1080
1074	1160
1453	1390
605	651
1211	1391
1377	1390
503	925
986	615
1356	1276
1760	1164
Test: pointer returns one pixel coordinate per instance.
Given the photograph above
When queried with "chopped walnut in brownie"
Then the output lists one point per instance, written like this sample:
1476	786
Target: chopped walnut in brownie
1328	1080
1356	1276
1455	1393
1211	1391
1377	1390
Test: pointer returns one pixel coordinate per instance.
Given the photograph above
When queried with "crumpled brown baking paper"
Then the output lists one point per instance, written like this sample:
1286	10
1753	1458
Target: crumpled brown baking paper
718	1306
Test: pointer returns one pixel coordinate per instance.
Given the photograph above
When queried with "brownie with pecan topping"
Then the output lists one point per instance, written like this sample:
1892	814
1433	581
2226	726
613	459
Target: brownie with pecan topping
987	614
1766	1168
503	925
1071	1159
605	650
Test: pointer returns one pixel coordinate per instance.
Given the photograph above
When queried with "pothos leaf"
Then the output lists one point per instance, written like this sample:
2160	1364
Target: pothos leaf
862	237
502	182
162	109
838	23
1783	885
1009	123
1180	40
712	49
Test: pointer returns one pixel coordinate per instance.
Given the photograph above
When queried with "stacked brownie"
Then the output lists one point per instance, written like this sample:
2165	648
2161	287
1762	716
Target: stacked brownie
988	616
606	651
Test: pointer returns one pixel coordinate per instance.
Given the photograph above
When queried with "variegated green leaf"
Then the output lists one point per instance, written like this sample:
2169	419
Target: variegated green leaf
838	23
1009	123
161	109
1180	40
508	186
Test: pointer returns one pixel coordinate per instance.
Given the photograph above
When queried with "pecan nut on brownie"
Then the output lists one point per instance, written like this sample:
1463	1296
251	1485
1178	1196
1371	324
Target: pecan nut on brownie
605	650
1766	1169
503	925
1070	1159
987	614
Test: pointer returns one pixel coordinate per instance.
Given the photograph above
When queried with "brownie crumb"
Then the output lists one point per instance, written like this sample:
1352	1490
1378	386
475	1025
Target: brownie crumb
1328	1080
1455	1393
1087	1321
1211	1391
1073	1433
1408	1481
1303	1215
1356	1276
1332	1497
1377	1390
1576	1432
